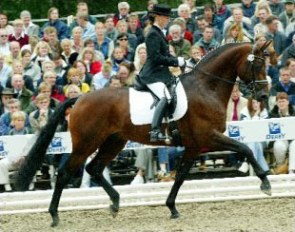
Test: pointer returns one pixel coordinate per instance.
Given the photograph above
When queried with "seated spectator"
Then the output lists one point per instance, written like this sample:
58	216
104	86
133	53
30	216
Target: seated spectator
115	82
248	7
54	21
68	53
123	43
194	12
77	41
134	28
122	27
126	74
86	76
73	91
235	34
4	23
256	110
211	17
223	12
42	52
181	46
101	79
30	28
281	147
117	58
184	32
140	57
289	52
288	15
144	21
50	36
184	12
18	120
111	30
5	119
260	40
56	90
91	60
88	28
33	40
74	77
195	56
18	33
123	8
291	66
284	85
14	48
4	43
6	94
31	69
89	43
207	43
102	43
5	71
276	6
61	69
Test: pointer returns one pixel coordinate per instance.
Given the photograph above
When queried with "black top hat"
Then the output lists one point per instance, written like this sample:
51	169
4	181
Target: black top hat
161	9
7	91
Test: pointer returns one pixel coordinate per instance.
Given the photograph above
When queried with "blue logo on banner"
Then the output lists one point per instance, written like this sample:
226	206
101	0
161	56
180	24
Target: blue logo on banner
3	153
274	128
56	145
233	131
56	142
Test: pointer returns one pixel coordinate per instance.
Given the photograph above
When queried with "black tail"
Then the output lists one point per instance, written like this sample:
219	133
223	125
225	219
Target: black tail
37	153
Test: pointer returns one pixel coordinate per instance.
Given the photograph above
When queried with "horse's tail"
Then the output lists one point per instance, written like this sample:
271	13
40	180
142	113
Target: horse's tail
37	153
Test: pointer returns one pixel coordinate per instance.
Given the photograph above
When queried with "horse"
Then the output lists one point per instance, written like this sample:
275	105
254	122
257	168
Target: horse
101	120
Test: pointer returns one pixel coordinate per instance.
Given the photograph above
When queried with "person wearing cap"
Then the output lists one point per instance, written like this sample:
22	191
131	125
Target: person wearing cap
288	15
6	95
155	72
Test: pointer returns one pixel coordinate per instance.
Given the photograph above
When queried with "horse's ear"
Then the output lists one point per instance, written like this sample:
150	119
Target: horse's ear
265	45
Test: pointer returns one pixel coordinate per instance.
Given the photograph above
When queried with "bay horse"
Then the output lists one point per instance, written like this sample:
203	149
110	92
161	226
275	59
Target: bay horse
101	119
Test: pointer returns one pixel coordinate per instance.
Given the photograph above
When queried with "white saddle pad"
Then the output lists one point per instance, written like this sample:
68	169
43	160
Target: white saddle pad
141	102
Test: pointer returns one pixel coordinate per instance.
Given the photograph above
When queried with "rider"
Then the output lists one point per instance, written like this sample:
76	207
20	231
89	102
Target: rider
155	73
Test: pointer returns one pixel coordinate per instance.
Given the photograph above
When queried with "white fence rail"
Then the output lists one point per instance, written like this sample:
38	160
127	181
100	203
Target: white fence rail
239	188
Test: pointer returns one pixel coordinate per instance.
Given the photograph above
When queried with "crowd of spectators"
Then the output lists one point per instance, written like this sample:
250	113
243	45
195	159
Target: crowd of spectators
42	66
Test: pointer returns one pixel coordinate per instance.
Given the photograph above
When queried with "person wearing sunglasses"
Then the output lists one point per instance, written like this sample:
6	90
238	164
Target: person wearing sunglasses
4	44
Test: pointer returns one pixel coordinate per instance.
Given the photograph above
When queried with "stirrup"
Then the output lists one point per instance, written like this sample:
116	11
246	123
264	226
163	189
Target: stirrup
156	135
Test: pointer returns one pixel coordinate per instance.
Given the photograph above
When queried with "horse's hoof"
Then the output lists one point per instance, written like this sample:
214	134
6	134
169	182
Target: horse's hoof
114	210
174	215
55	221
266	188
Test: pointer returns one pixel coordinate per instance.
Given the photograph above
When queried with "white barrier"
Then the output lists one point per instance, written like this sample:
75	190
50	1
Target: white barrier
239	188
243	131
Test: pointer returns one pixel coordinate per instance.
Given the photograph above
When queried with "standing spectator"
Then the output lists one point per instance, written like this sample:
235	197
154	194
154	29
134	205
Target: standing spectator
88	28
181	46
123	13
248	7
134	29
30	28
5	71
82	8
102	43
235	34
4	43
288	15
278	38
281	147
111	30
4	23
77	39
54	21
30	68
14	48
207	43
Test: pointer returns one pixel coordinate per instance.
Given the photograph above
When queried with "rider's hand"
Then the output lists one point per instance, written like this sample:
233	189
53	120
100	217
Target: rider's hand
181	62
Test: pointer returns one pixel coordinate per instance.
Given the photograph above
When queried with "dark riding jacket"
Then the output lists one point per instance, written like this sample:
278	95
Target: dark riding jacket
158	58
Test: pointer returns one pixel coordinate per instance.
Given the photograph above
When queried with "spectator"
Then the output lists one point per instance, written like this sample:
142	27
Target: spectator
30	28
4	43
89	43
181	46
184	32
88	28
140	57
291	66
222	12
122	27
68	54
102	43
284	85
31	69
260	40
91	60
134	29
14	48
18	120
111	30
4	23
144	21
235	34
289	52
256	110
207	43
262	14
123	13
117	58
42	53
195	56
33	40
74	77
86	76
73	91
288	15
281	147
6	94
5	71
248	7
115	82
184	12
102	79
201	24
212	18
123	43
276	6
18	33
56	90
54	21
77	39
82	8
194	12
126	74
61	69
50	36
21	92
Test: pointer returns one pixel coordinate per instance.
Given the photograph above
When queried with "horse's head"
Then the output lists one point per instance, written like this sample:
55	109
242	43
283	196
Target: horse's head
253	71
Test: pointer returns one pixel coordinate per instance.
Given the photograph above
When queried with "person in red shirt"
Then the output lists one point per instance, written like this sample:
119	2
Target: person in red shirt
18	33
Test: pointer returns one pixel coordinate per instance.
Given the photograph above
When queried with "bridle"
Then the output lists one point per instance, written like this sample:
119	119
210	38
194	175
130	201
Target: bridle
250	66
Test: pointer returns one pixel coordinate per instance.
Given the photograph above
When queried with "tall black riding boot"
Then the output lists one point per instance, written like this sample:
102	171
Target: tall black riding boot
155	134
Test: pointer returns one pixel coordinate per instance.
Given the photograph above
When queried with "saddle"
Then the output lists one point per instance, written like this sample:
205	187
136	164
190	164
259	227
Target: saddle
172	125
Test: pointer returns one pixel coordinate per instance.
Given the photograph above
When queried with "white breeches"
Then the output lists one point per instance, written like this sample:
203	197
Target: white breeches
5	166
280	150
160	90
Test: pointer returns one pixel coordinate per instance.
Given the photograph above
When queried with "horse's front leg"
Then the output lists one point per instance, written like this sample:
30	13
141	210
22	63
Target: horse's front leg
181	173
223	143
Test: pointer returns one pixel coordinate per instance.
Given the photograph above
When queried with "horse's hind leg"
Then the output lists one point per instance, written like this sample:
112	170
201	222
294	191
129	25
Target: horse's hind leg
109	149
222	142
182	171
